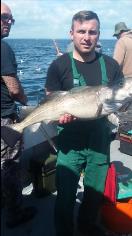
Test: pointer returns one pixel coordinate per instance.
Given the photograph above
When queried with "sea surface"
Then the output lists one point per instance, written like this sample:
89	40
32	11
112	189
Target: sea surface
34	57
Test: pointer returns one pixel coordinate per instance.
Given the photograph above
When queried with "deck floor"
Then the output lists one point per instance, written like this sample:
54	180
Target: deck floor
42	224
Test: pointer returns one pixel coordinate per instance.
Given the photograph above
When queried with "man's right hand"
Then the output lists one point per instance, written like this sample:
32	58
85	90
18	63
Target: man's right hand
23	99
67	118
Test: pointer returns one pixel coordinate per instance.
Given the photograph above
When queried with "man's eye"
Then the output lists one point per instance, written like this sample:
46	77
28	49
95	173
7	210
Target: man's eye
92	32
81	32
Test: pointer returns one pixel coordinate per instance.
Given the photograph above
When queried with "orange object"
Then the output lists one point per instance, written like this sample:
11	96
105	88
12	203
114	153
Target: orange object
118	217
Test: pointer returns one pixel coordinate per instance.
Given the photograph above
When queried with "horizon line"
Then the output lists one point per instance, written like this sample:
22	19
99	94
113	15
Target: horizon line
57	38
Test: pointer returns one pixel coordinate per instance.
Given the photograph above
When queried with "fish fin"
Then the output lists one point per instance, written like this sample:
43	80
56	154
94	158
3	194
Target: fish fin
49	139
125	116
99	111
113	119
55	95
10	136
125	107
81	89
110	107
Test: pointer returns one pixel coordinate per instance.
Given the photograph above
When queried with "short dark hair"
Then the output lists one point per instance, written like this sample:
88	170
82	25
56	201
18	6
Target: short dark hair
83	16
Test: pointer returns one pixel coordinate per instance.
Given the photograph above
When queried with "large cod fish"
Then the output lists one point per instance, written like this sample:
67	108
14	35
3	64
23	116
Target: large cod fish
86	102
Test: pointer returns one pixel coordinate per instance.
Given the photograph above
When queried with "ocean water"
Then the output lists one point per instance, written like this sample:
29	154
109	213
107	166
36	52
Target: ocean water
34	57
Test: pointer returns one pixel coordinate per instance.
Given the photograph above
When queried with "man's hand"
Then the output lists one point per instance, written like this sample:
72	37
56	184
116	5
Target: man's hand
67	118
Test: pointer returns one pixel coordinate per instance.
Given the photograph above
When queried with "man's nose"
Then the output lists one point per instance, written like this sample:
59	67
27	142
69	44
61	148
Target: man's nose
87	36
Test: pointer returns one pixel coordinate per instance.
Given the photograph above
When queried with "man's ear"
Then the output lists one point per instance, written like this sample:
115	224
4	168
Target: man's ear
99	35
71	34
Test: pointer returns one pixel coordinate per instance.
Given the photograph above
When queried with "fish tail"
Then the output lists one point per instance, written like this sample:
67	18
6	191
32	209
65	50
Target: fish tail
11	134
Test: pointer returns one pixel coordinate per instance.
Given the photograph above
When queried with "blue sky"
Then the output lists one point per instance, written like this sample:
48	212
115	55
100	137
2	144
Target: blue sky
52	18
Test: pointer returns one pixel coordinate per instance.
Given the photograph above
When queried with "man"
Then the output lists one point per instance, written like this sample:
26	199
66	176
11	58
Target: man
83	145
123	48
11	91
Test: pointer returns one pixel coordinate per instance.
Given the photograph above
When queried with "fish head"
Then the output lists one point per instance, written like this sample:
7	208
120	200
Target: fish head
124	91
114	97
118	92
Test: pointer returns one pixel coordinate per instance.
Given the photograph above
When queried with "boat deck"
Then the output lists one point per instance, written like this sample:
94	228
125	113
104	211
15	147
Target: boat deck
42	224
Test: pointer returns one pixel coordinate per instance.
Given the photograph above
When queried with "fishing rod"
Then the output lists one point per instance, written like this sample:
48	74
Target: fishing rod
49	139
58	51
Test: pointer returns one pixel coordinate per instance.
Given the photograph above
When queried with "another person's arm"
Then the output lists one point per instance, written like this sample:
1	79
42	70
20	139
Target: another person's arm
9	74
15	88
119	53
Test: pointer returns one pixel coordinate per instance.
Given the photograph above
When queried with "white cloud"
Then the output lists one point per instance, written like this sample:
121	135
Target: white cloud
52	18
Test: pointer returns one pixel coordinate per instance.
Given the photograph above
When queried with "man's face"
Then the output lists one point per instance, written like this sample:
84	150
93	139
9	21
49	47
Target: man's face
85	35
6	21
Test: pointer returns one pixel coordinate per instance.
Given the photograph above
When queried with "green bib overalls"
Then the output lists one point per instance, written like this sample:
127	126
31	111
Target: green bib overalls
83	145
